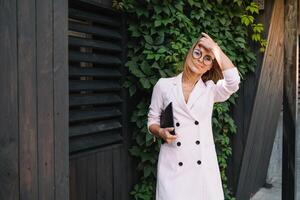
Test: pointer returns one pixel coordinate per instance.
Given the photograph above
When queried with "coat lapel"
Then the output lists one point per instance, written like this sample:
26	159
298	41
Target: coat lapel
196	93
178	94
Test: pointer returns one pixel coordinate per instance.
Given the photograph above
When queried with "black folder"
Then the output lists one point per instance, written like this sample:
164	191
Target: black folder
166	118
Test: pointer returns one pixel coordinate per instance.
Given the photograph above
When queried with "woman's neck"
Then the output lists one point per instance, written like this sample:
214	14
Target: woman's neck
192	80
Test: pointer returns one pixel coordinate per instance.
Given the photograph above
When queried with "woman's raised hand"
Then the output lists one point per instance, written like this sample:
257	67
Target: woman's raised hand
207	42
165	134
222	59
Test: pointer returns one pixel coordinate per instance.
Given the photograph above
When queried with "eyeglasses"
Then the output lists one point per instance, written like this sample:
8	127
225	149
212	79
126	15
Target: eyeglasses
207	60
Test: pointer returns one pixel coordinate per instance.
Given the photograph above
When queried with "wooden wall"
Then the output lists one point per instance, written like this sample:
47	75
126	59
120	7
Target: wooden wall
34	102
290	93
258	108
243	109
266	110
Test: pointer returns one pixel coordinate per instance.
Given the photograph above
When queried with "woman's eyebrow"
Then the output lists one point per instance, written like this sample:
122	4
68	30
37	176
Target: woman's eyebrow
202	49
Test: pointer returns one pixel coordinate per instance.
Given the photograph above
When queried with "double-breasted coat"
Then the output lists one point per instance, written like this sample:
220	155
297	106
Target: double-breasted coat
188	168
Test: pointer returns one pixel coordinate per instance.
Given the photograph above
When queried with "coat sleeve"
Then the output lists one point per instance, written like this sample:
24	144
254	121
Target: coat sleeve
224	88
156	105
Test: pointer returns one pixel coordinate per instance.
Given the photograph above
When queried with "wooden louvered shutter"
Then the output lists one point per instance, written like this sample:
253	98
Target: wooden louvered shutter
98	134
96	56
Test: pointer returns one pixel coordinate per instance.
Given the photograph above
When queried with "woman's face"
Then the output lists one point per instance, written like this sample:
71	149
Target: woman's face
200	60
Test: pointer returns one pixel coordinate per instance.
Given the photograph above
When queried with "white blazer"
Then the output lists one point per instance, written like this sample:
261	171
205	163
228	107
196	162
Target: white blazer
188	167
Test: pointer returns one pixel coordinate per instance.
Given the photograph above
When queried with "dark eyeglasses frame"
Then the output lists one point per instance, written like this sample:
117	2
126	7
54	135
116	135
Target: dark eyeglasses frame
203	61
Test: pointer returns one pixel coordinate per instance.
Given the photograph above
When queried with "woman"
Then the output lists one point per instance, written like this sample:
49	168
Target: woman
187	165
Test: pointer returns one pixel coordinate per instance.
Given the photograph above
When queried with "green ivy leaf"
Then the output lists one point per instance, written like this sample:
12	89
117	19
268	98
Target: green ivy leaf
247	19
132	90
145	83
160	38
253	8
148	39
258	28
146	68
147	171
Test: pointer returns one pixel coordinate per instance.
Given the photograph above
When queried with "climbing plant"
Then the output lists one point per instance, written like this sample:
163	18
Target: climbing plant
160	34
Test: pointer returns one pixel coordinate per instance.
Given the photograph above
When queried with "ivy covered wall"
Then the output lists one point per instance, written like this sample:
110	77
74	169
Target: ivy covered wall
160	34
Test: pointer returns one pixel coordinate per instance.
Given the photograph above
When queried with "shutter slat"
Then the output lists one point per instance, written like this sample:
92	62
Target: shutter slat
94	58
98	31
102	45
94	99
101	85
94	128
102	19
104	113
94	141
95	72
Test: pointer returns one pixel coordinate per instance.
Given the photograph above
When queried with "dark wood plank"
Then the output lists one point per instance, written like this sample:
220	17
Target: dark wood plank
9	137
265	114
73	180
99	18
61	98
27	100
103	6
91	178
44	76
290	85
85	173
104	99
97	31
94	58
97	127
118	175
95	44
297	139
95	150
81	186
102	113
94	85
105	175
94	141
106	73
